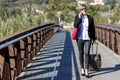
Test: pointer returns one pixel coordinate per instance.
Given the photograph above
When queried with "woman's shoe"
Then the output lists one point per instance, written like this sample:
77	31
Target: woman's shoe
83	74
87	76
86	73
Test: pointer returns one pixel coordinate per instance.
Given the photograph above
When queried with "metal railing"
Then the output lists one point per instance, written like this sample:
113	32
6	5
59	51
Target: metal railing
18	49
109	35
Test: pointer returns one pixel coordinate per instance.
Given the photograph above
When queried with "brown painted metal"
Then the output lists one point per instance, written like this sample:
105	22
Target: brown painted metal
15	57
109	35
5	65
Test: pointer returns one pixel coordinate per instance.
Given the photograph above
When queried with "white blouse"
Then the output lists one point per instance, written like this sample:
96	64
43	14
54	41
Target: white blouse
83	32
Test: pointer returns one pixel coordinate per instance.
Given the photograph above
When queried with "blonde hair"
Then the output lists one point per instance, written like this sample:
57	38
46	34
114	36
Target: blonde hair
82	5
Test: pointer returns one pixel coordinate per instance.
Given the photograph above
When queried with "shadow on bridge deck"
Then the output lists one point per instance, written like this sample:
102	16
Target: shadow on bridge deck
58	60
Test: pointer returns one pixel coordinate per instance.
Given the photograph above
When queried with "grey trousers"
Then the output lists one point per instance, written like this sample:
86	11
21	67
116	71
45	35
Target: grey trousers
84	52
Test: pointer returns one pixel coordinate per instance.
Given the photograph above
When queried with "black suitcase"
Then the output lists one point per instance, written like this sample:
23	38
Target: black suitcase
95	60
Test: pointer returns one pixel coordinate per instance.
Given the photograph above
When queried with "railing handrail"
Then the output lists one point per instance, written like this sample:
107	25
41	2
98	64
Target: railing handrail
109	27
116	26
19	38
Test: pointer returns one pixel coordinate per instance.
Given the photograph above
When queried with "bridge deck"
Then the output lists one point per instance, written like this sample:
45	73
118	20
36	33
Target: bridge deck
58	60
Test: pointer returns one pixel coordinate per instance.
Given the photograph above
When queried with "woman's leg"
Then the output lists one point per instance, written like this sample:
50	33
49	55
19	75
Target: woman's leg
86	55
80	44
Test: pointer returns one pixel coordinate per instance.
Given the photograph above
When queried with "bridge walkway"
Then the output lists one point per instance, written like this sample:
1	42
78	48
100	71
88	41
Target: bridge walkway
58	60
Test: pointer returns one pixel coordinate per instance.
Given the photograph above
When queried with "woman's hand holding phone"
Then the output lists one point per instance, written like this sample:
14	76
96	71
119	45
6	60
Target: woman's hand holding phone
80	14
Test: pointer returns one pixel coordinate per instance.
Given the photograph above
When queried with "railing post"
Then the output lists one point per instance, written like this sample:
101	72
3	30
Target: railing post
18	64
5	64
112	40
45	35
103	36
39	40
43	38
97	33
32	46
118	43
12	58
107	38
36	43
26	54
22	52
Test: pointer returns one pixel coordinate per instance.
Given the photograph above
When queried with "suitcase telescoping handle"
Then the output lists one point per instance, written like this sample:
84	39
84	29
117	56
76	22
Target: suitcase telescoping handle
96	52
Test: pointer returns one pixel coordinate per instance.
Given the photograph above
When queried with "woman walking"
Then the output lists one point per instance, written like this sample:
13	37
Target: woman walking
85	36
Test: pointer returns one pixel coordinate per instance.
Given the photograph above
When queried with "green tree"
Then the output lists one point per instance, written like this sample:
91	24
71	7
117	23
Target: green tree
7	1
112	3
115	15
95	11
66	7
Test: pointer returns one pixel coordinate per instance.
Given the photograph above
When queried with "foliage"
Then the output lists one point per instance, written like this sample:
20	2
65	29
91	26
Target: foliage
112	3
115	15
17	19
7	1
96	11
60	8
16	15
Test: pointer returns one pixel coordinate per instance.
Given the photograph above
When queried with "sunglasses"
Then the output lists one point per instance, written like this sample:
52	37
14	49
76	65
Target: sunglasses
83	9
